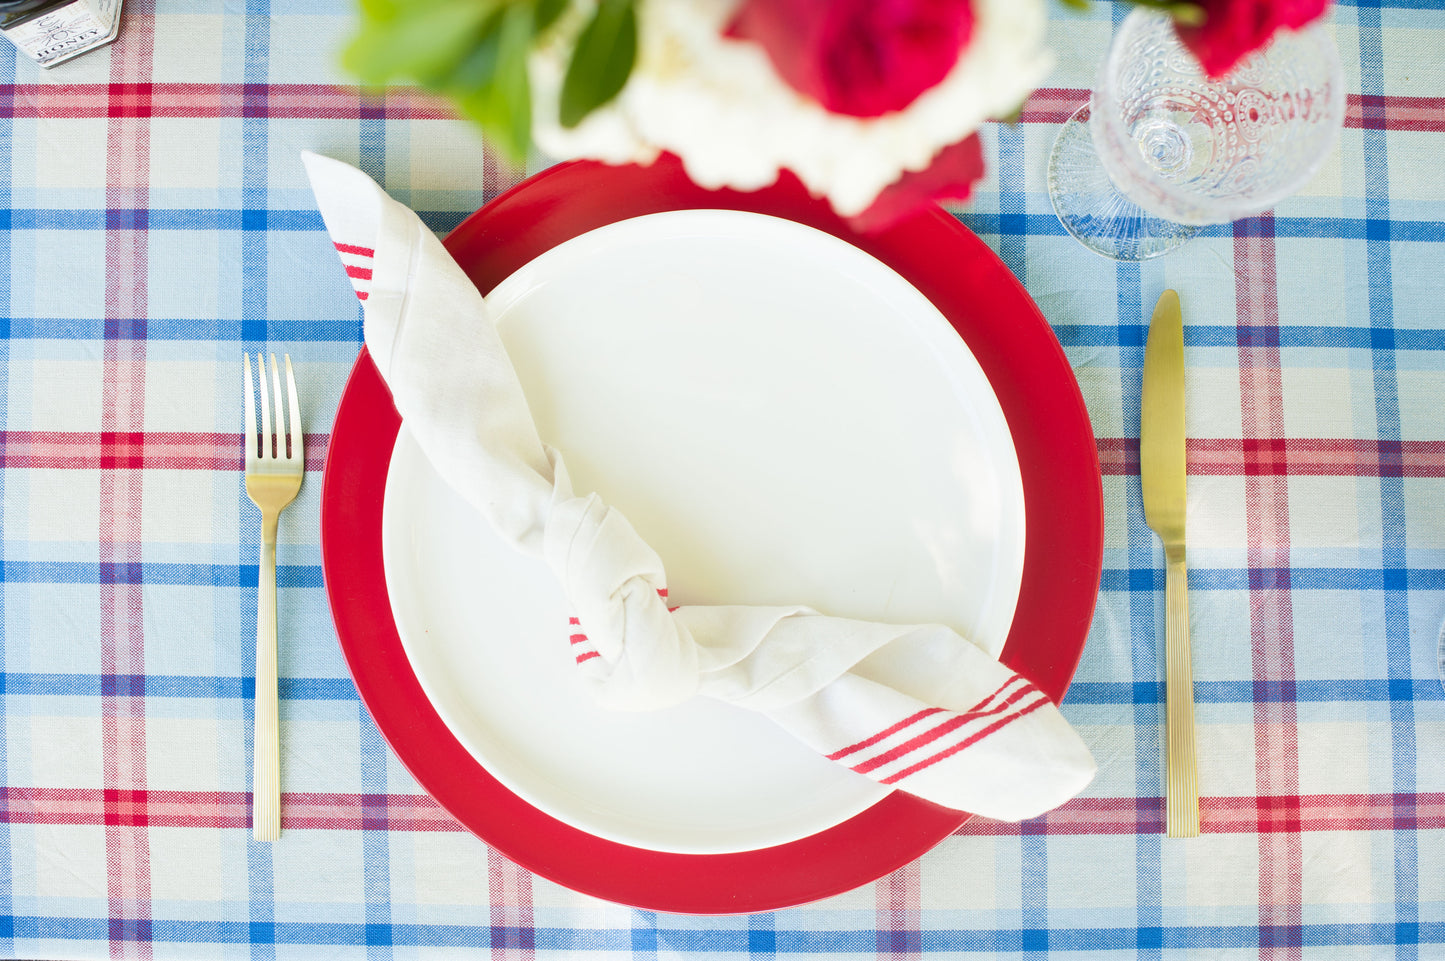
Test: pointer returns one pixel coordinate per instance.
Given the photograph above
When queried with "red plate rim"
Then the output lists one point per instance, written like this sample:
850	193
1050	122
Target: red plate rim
1063	555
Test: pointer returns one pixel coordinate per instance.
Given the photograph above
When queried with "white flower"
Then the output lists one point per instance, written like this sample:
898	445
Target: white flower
719	105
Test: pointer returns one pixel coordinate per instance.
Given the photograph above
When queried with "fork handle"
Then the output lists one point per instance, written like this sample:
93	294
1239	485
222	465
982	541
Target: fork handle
266	746
1182	788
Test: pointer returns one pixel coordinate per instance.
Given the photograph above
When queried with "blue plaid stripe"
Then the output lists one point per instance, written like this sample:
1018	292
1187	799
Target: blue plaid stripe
1388	580
255	332
1081	694
1393	514
1013	224
344	330
653	933
1143	625
1377	227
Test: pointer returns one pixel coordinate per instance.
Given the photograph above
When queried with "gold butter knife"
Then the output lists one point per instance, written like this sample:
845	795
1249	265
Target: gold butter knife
1161	467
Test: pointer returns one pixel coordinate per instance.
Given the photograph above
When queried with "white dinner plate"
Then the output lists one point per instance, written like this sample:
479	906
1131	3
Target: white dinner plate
785	420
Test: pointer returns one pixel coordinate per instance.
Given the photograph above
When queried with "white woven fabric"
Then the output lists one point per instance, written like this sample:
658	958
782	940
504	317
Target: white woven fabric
912	706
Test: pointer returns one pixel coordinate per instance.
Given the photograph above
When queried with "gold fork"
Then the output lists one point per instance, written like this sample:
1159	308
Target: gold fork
273	476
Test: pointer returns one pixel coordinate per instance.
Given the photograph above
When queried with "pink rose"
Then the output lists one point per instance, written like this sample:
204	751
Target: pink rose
864	58
1234	28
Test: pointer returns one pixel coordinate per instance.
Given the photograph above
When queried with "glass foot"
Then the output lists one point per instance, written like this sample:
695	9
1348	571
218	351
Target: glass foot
1091	208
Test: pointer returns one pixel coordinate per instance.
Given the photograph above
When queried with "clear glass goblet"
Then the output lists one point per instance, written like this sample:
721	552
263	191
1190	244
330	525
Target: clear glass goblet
1161	149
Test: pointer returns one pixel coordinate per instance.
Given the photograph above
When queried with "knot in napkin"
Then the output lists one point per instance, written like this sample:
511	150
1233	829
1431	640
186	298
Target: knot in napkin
634	652
916	707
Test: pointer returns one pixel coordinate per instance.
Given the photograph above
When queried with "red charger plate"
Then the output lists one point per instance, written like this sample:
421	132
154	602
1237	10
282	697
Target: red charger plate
1063	554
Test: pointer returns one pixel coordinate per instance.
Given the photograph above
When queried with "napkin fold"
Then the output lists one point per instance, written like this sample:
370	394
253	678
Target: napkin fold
916	707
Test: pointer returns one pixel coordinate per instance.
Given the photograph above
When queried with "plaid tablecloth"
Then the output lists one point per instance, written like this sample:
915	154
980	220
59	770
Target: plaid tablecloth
157	223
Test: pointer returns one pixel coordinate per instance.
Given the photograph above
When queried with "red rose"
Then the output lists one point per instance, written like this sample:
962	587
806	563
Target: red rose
864	58
1234	28
950	176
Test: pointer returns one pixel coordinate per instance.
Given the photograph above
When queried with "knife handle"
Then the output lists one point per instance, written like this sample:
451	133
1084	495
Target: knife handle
1182	788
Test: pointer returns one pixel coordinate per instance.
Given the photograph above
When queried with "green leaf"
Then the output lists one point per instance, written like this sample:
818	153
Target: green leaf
1189	14
421	41
383	11
1183	11
547	12
1014	117
503	105
479	67
601	61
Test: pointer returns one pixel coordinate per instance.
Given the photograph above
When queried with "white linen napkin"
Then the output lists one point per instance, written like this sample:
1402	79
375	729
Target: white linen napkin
916	707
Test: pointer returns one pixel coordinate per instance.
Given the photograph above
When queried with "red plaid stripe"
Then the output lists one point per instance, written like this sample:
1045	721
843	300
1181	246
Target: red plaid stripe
220	810
1373	112
418	812
122	627
1293	456
1276	760
136	450
1053	104
899	913
128	100
143	100
303	101
509	890
1362	111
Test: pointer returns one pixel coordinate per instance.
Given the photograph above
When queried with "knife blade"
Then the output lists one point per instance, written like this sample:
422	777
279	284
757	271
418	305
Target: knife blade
1162	472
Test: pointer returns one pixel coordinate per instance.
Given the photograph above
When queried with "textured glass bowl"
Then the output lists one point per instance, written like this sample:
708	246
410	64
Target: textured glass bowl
1162	149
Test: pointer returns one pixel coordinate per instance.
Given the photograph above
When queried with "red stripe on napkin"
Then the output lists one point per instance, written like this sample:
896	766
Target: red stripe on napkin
357	272
942	734
969	741
883	734
988	707
587	653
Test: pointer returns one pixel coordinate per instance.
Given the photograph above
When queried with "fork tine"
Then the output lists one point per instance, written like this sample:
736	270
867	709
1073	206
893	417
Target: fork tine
297	447
265	406
276	402
250	411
